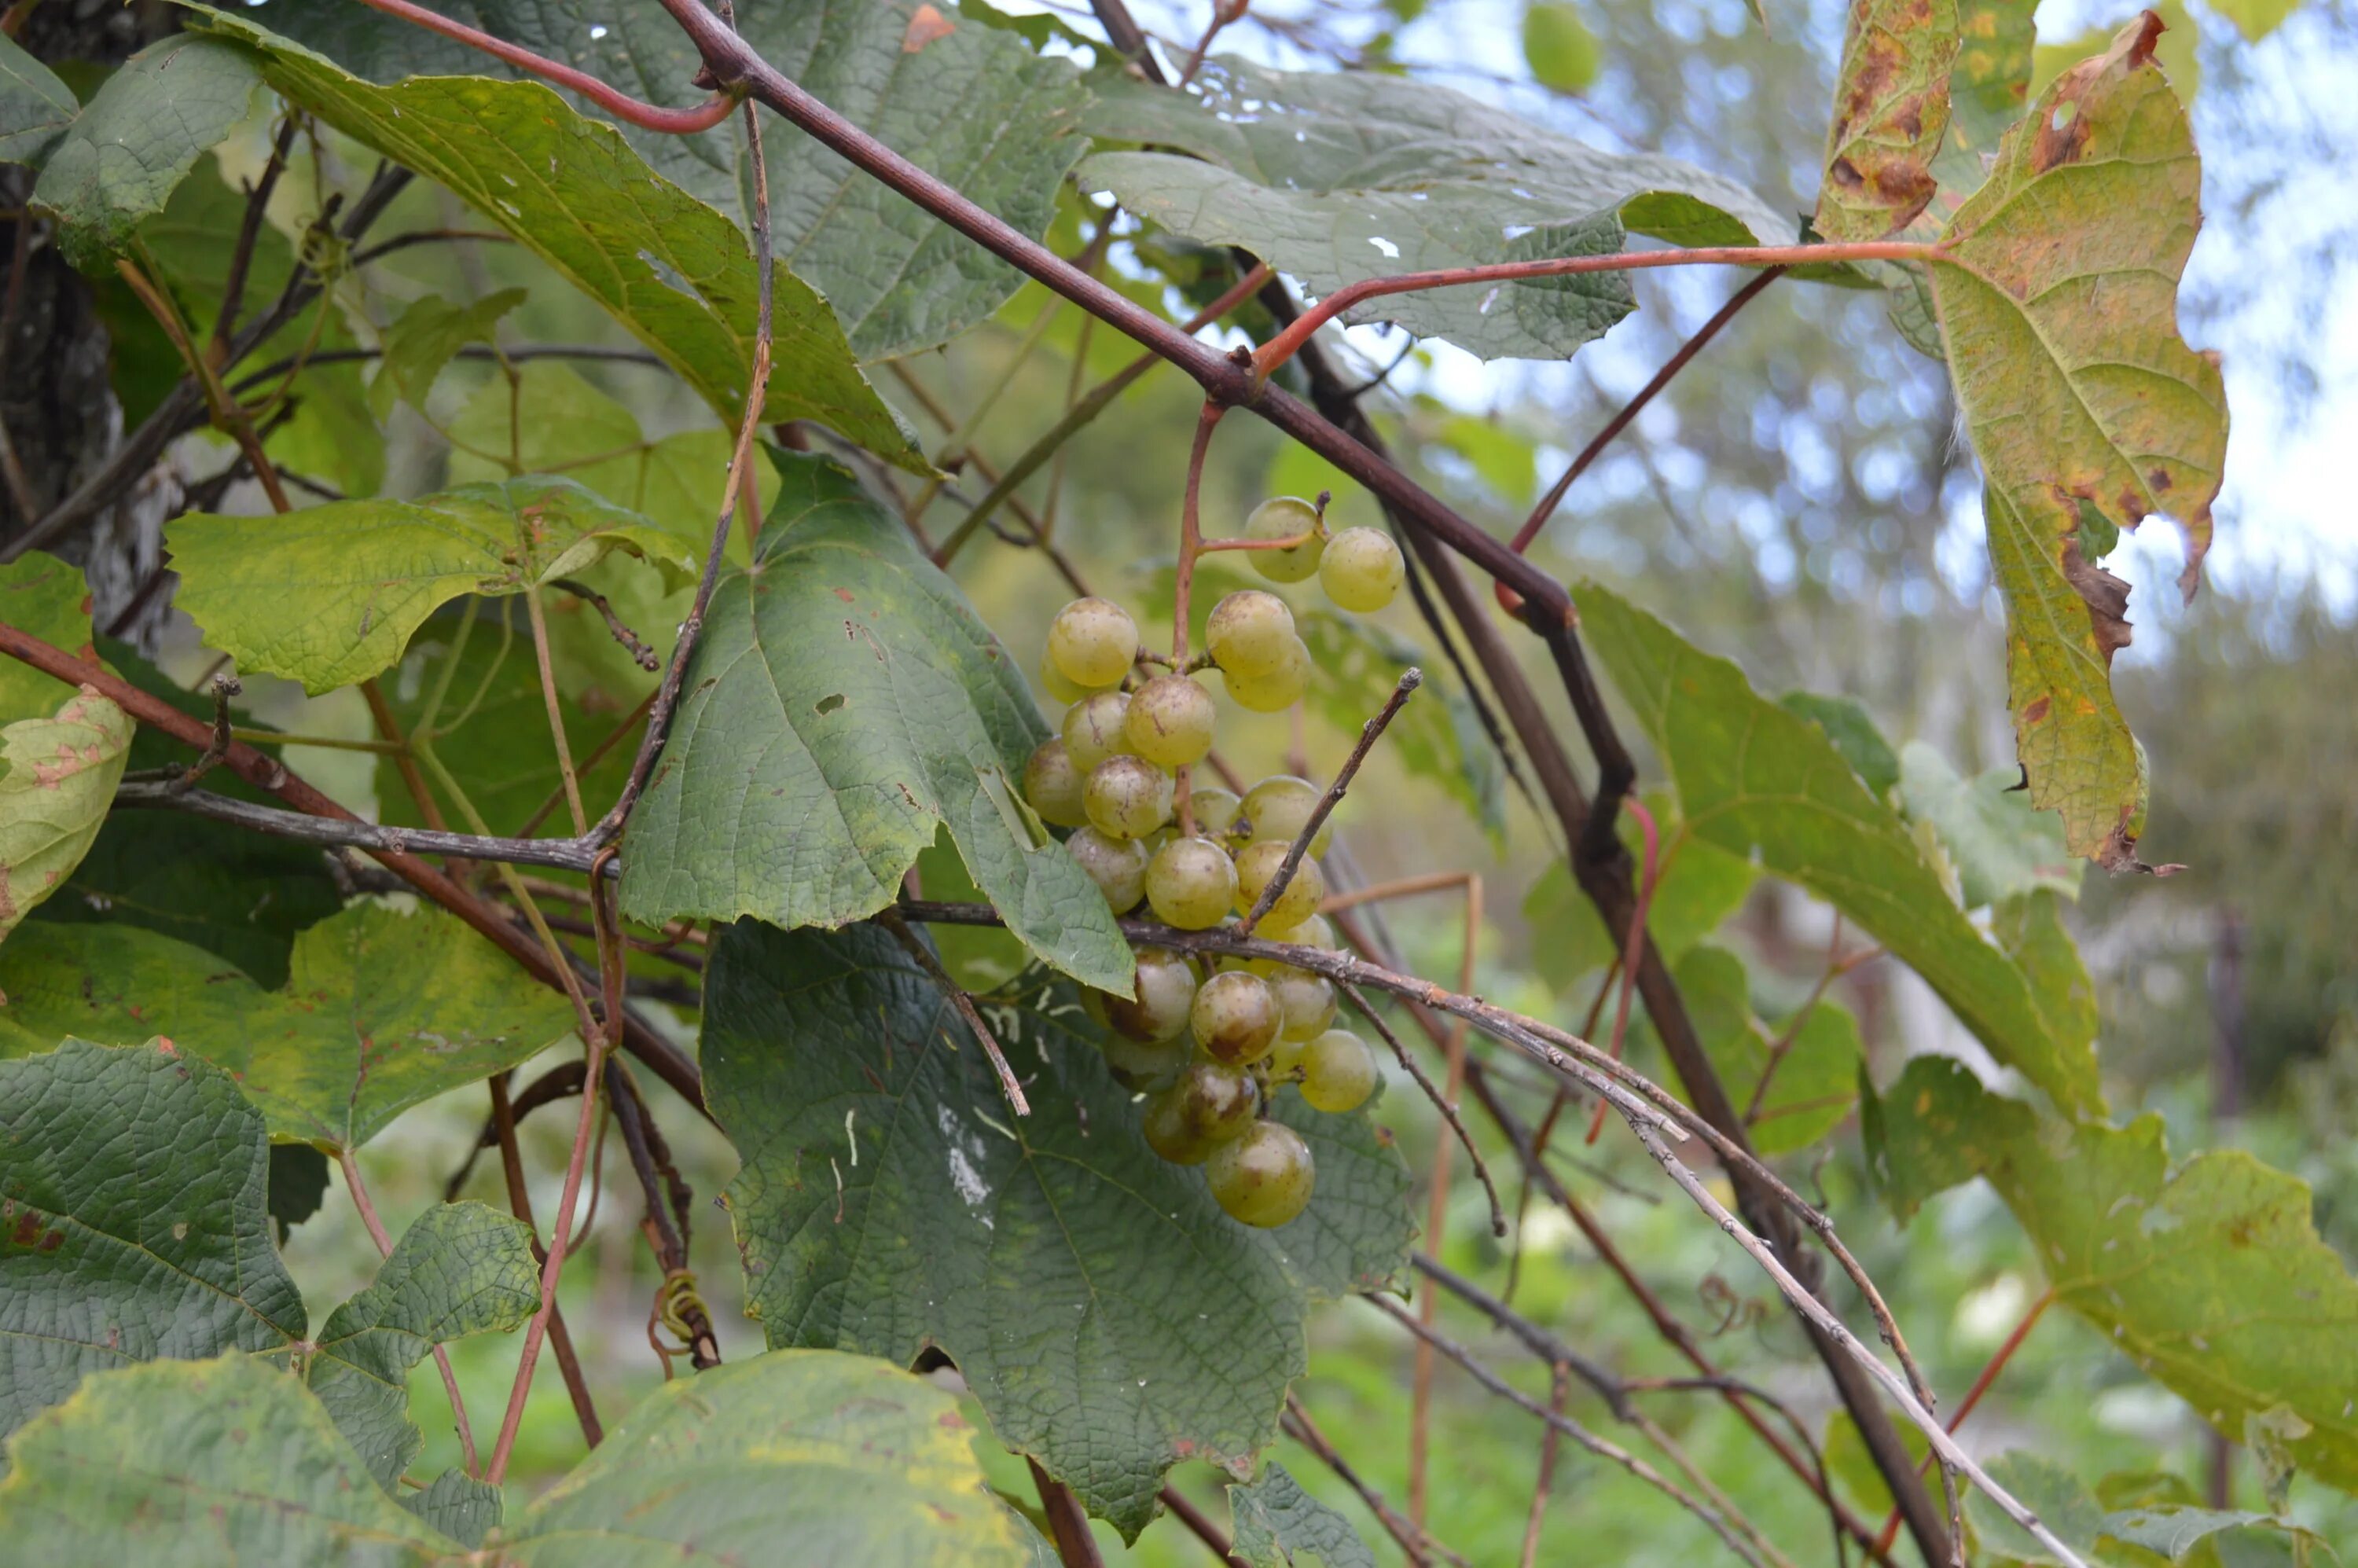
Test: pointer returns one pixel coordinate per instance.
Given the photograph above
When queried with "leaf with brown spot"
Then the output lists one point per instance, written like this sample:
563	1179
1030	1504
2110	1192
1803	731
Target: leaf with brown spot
1891	108
60	778
2056	295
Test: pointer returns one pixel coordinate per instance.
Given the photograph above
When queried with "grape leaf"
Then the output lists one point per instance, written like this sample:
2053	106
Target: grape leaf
462	1508
1853	733
799	1456
1109	1317
969	105
140	135
1279	1525
59	783
1755	777
382	1011
45	597
674	272
1892	109
328	596
806	770
133	1223
431	332
1697	886
2002	845
2176	1531
185	1462
2056	288
2209	1275
1336	176
35	107
1816	1079
460	1269
1988	86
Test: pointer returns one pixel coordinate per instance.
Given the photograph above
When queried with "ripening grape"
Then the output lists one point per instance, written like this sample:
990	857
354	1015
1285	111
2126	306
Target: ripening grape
1236	1017
1362	570
1276	690
1146	1065
1093	730
1214	809
1307	1001
1127	797
1279	807
1170	720
1093	642
1206	1106
1059	689
1338	1071
1283	517
1191	882
1053	785
1256	866
1117	865
1248	634
1263	1178
1165	987
1166	1128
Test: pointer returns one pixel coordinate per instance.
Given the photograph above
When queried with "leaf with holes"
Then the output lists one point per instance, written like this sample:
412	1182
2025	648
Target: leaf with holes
844	703
382	1012
2056	286
134	142
460	1269
678	274
328	596
1333	177
1279	1525
60	784
1109	1317
1892	109
2209	1275
1753	776
133	1222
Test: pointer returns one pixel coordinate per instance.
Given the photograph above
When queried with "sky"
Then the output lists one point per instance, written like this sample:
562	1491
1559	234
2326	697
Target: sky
2275	121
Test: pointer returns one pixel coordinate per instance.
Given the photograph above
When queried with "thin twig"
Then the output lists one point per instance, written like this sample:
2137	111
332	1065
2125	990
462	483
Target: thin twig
1988	1375
1409	680
644	656
667	1224
358	1190
1432	1091
225	686
560	1339
561	854
249	232
1551	1444
1418	1543
915	947
1201	1524
566	776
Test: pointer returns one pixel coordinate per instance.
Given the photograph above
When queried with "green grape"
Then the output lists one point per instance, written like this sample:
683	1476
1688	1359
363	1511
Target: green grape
1248	634
1306	999
1215	810
1362	570
1285	1060
1236	1017
1256	866
1059	689
1314	932
1263	1178
1093	642
1285	517
1217	1103
1165	1126
1146	1065
1191	882
1117	865
1277	691
1169	721
1093	730
1279	807
1053	785
1127	797
1338	1071
1165	984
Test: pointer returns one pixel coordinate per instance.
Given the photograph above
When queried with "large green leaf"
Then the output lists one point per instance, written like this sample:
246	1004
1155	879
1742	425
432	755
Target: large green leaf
133	1223
201	1464
460	1269
2056	286
2210	1275
1336	176
799	1456
382	1010
1279	1525
35	107
328	596
844	703
60	779
137	139
1892	109
969	105
1754	777
676	273
1816	1077
1111	1318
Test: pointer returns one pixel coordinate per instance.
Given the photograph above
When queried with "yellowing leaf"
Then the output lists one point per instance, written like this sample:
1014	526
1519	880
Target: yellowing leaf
60	779
1891	107
2056	290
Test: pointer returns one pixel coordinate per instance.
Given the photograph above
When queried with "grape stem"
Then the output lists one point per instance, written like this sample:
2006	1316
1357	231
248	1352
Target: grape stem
1182	583
1409	680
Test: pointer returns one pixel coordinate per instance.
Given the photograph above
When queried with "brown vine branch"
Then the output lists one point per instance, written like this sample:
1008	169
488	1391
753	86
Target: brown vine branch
560	1339
666	1222
1068	1522
1200	1524
1405	688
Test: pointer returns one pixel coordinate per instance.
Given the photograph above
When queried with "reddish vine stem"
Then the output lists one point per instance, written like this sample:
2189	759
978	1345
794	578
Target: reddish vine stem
1200	1523
1405	688
1068	1522
358	1190
560	1339
1415	1541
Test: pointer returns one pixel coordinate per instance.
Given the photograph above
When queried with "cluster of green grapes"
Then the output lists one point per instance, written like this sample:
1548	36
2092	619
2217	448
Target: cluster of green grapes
1210	1044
